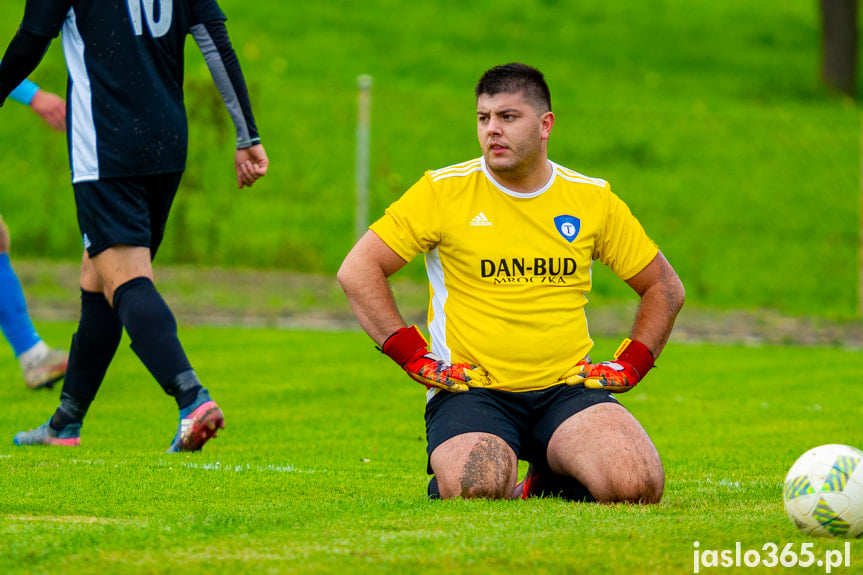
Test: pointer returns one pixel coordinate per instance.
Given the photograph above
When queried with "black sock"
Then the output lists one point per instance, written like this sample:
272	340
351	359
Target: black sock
187	387
433	489
93	347
153	330
71	410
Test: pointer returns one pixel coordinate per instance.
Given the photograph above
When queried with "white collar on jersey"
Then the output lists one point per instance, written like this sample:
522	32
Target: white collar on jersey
513	193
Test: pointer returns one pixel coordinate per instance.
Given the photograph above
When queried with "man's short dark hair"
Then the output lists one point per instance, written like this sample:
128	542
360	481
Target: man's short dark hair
516	78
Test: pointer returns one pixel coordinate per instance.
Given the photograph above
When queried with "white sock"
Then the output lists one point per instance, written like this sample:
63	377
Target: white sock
34	354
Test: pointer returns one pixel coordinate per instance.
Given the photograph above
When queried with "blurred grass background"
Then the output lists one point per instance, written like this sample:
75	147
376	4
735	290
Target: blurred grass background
708	118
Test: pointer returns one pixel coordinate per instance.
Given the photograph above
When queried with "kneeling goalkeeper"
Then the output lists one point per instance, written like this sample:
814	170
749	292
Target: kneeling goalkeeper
509	239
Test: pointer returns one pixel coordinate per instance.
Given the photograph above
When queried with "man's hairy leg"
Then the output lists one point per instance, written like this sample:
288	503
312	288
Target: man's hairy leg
113	267
608	451
475	465
4	237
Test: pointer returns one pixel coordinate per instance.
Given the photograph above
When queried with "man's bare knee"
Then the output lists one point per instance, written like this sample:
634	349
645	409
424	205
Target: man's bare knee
652	491
487	472
641	482
645	492
484	469
606	449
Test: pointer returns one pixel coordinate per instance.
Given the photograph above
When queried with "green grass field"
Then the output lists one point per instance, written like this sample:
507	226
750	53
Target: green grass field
321	468
708	118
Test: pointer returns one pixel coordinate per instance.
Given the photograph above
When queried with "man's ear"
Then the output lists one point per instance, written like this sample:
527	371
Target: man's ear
546	125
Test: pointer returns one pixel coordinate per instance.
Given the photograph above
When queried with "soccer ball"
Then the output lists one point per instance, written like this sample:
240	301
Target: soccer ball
823	491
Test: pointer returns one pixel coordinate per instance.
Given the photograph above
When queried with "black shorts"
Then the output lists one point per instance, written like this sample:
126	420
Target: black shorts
128	211
525	420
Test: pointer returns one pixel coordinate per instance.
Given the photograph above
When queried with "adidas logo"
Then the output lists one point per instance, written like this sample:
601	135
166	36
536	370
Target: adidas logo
185	427
480	220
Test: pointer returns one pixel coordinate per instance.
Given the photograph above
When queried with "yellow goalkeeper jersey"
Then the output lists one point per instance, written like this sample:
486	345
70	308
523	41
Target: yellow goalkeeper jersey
508	272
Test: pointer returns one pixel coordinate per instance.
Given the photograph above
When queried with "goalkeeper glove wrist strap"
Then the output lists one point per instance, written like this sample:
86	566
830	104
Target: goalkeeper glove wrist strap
404	345
635	354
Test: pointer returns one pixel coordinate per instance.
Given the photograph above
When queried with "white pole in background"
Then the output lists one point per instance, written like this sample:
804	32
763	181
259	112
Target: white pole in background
361	171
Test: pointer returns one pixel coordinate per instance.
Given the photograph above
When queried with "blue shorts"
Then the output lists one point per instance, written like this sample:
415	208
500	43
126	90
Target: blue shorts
130	211
525	420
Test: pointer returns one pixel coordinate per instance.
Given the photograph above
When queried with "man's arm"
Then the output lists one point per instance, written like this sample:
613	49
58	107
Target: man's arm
24	53
42	22
662	296
363	276
250	159
51	108
24	92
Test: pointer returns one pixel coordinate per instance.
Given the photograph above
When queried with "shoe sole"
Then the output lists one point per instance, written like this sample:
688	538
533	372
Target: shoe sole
72	442
208	420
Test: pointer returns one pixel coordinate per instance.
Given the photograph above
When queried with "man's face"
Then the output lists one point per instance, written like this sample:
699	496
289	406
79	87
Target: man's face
512	135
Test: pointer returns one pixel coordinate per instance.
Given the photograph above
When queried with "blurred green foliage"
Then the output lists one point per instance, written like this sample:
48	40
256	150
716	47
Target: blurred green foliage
708	118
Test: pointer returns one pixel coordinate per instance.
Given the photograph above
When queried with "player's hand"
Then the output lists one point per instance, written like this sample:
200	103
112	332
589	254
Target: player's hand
408	348
251	163
575	374
51	107
631	362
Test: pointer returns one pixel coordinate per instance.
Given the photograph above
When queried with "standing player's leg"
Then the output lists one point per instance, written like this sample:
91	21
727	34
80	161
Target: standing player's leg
607	450
112	213
127	274
41	365
93	347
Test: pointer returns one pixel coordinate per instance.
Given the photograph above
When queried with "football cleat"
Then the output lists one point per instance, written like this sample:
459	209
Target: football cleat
546	483
199	423
69	436
45	370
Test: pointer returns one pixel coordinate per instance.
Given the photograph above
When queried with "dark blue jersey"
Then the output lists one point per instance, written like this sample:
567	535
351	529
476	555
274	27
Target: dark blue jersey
125	61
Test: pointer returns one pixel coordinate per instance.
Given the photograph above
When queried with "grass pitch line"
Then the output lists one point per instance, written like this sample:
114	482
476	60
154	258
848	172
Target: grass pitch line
217	466
73	519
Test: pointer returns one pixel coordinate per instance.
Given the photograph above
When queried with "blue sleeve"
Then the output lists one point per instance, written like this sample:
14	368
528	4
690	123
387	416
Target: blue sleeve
24	92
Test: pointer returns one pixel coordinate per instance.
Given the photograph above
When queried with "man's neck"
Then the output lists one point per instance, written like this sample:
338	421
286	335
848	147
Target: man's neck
535	178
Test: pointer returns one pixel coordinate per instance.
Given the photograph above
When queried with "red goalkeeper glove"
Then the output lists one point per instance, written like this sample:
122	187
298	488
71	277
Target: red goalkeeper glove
631	362
408	348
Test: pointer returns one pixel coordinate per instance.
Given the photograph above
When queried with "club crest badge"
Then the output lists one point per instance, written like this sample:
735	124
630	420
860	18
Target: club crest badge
568	226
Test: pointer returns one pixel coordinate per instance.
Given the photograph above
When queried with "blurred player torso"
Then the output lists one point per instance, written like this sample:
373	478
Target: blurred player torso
125	61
